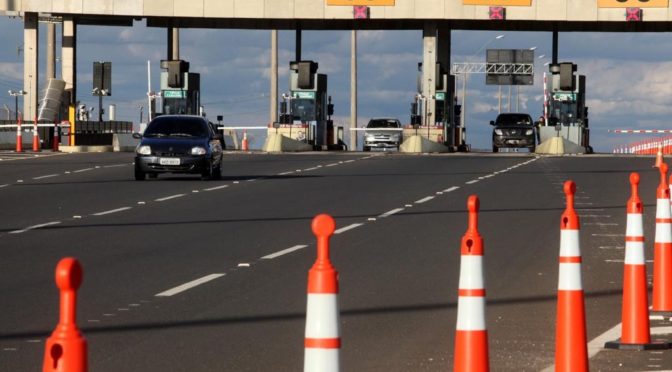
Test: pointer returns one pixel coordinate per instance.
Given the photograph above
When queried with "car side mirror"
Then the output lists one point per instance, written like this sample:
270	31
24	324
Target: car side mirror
492	122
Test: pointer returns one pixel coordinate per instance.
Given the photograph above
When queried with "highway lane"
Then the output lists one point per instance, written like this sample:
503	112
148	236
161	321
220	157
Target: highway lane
398	272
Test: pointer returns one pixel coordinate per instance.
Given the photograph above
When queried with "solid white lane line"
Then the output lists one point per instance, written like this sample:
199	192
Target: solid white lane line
389	213
283	252
169	197
188	286
82	170
349	227
47	176
217	188
35	227
471	182
112	211
451	189
424	200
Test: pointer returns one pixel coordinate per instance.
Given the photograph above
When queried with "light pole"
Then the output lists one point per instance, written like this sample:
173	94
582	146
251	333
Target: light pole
464	80
16	94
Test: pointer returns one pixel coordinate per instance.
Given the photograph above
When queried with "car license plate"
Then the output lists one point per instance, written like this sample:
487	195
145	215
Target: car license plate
169	161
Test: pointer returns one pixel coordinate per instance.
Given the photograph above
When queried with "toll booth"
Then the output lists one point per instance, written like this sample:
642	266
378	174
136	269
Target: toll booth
445	127
567	114
306	111
180	89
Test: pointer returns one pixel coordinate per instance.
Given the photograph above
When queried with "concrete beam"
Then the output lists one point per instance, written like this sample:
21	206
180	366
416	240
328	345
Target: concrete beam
30	65
428	72
69	57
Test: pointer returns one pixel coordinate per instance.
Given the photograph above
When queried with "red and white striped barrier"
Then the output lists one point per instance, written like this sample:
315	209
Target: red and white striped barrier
571	348
471	335
19	138
322	338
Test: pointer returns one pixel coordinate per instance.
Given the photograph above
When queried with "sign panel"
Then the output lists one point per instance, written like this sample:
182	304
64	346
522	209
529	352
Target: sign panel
174	94
633	3
361	2
498	2
307	95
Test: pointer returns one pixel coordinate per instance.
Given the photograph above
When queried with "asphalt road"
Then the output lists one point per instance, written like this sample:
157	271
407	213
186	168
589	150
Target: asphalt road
400	219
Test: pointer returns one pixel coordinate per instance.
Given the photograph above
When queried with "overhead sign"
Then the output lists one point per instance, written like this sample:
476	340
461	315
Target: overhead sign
362	2
633	3
498	2
307	95
174	94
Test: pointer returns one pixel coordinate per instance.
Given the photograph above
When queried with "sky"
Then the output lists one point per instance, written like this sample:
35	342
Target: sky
629	75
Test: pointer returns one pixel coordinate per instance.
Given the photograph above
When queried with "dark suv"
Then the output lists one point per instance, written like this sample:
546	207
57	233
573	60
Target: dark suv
513	130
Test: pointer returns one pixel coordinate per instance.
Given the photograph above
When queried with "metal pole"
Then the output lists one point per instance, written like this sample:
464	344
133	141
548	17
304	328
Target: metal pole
297	45
509	98
464	100
16	107
353	91
499	96
274	76
517	98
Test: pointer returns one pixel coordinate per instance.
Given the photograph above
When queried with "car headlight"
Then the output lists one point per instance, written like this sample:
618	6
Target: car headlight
143	150
198	150
529	132
498	132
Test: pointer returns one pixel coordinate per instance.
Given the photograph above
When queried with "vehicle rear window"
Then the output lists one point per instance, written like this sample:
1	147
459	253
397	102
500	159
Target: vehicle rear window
176	127
513	119
382	123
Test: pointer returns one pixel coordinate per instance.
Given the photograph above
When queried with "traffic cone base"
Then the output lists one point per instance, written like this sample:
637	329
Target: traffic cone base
655	345
473	346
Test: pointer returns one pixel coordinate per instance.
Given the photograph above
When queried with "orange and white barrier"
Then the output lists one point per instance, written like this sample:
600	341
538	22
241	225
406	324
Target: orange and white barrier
659	157
571	348
36	137
245	146
322	338
19	137
471	335
66	349
662	251
635	330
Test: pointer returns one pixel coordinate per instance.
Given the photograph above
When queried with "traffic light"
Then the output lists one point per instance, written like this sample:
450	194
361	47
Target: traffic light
567	78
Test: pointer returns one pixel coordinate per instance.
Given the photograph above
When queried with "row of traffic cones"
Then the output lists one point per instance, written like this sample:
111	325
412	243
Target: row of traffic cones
36	137
66	348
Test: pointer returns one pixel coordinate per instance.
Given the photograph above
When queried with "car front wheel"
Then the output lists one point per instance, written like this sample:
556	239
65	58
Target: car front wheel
139	174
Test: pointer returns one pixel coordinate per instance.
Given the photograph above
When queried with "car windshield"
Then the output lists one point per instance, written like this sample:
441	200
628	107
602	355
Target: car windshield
514	119
176	127
383	123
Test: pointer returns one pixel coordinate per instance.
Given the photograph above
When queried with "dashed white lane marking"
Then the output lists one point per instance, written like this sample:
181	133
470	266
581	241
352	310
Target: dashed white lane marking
188	286
284	252
170	197
82	170
389	213
349	227
600	224
451	189
595	216
217	188
47	176
609	235
611	247
114	166
285	173
112	211
349	161
424	200
5	185
331	165
471	182
35	227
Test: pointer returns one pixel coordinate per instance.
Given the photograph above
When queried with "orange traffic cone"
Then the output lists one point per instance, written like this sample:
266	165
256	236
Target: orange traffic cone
245	143
322	338
662	251
36	137
571	348
66	349
19	137
659	157
635	333
471	335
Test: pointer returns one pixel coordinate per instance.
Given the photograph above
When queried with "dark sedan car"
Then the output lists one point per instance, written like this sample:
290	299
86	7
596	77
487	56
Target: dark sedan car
179	144
513	130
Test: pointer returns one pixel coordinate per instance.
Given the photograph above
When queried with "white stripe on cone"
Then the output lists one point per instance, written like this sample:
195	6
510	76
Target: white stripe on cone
471	272
570	277
569	243
322	316
634	223
471	313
